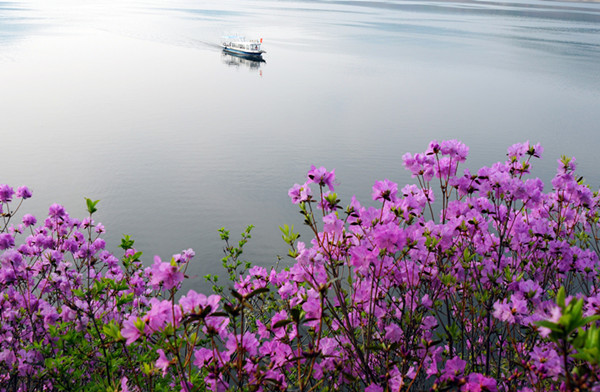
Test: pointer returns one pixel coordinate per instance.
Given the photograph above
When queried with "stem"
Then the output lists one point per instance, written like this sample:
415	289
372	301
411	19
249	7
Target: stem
566	363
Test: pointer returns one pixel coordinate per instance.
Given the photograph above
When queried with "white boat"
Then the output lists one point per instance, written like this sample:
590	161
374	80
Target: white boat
243	47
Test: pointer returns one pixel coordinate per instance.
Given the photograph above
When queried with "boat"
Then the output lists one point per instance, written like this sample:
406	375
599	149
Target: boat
243	47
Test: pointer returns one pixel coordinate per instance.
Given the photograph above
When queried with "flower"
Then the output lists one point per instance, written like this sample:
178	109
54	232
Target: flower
124	387
510	312
454	368
161	314
166	274
194	303
455	149
546	361
24	192
162	362
300	193
130	330
6	193
321	177
29	220
385	190
374	388
202	357
57	211
6	241
479	383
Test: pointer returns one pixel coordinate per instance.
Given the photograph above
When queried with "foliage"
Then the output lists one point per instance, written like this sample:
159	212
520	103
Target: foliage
472	282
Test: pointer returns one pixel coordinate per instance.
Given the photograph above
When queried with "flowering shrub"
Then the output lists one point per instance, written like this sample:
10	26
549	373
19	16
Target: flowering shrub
472	282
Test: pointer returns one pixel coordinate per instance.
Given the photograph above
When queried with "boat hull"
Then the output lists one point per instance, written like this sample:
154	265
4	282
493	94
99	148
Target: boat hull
240	52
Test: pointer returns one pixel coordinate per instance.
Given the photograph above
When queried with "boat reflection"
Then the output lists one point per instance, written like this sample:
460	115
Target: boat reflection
241	60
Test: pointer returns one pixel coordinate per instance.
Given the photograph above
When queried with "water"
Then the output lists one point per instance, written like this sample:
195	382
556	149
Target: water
133	103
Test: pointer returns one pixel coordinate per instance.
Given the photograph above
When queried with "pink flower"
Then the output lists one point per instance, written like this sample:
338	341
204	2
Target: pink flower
195	303
546	361
374	388
130	331
455	149
6	193
29	220
385	190
479	383
454	368
124	387
321	177
165	274
162	362
202	357
57	211
300	193
24	192
510	312
161	314
393	333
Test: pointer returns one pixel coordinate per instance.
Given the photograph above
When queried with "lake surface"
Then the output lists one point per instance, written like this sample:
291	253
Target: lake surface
133	103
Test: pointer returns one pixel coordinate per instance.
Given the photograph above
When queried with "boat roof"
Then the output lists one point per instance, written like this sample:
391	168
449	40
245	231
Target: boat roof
239	38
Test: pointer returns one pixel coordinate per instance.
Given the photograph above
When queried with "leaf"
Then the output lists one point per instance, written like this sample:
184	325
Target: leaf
234	311
560	297
281	323
295	312
91	205
550	325
258	291
126	242
237	295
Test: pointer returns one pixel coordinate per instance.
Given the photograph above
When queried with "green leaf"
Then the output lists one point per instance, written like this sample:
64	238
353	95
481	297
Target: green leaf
234	311
91	205
560	297
295	312
237	295
126	242
281	323
258	291
550	325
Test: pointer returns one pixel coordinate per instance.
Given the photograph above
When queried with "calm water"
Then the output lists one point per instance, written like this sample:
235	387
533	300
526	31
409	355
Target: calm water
133	103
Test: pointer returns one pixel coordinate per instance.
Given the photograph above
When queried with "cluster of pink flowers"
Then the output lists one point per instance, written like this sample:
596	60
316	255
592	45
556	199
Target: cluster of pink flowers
450	284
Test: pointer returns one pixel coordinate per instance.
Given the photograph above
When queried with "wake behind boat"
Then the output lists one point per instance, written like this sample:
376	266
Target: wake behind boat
241	46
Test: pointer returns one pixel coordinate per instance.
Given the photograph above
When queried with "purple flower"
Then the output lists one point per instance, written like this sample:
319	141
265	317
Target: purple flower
517	150
57	211
312	307
167	274
280	331
454	368
194	303
29	220
420	164
24	192
393	333
374	388
130	330
333	225
510	312
162	362
300	193
202	357
6	241
321	177
6	193
479	383
161	314
124	387
457	150
385	190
